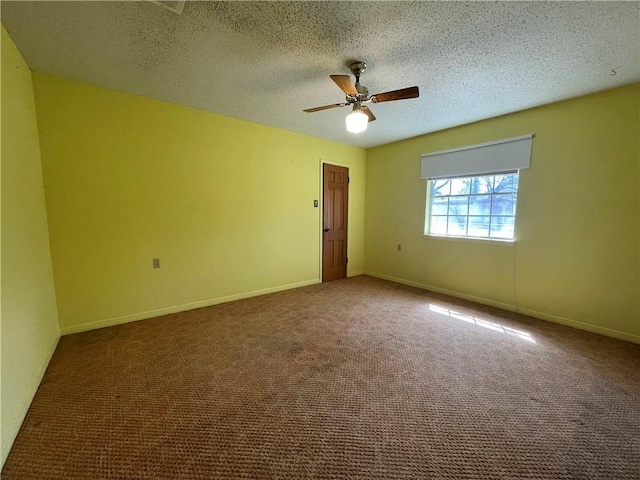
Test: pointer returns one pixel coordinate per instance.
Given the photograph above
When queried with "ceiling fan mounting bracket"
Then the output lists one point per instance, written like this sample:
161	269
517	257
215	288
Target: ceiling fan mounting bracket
357	68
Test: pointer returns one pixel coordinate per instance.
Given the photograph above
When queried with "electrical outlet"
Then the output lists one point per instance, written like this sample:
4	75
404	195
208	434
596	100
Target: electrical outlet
399	247
315	203
156	263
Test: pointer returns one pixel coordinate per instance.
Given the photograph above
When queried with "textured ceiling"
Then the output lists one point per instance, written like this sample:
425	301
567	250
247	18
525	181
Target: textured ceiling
267	61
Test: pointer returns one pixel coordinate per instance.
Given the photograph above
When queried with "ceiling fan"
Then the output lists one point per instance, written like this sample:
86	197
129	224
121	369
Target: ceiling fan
357	95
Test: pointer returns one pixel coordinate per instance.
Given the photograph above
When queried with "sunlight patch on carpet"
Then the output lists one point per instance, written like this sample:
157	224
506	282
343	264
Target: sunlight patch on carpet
482	323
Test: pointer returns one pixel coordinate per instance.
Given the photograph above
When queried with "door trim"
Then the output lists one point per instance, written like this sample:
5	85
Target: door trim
321	216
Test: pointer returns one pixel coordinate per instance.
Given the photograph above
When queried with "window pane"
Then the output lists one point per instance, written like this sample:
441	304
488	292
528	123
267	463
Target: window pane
480	205
478	226
457	226
504	204
438	225
506	183
502	227
460	186
440	187
439	205
458	205
482	184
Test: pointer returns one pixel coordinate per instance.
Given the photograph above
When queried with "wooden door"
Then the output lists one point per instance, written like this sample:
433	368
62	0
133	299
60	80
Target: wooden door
335	204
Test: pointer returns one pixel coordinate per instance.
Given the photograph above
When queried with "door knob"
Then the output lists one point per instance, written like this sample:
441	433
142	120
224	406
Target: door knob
327	229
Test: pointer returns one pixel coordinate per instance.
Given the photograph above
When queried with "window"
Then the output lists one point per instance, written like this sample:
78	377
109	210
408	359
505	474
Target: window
480	206
472	191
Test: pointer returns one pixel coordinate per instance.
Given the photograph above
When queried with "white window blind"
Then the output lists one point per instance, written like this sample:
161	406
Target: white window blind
486	158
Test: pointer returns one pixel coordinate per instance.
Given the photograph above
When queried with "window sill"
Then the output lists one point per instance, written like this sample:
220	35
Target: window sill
480	241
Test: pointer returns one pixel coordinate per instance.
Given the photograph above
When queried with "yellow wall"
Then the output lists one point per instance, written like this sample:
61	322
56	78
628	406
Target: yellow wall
576	256
227	205
29	321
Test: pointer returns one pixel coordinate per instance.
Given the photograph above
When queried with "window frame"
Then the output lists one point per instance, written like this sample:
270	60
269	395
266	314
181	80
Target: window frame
467	237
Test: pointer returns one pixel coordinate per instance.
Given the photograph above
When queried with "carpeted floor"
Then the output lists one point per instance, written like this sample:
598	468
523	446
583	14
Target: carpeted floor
357	379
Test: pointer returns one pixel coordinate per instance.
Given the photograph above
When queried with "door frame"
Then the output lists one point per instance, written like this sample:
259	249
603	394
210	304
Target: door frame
321	207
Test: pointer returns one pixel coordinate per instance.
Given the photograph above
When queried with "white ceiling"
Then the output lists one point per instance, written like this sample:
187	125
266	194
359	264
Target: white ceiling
267	61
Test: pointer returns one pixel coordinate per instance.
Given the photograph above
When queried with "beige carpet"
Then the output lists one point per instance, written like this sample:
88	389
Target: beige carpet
357	379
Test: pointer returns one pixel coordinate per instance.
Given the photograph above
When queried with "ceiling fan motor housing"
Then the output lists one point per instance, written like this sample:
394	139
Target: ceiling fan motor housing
362	91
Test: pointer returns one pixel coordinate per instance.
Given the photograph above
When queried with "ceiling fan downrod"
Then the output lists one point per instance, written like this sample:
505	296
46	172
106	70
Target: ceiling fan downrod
357	69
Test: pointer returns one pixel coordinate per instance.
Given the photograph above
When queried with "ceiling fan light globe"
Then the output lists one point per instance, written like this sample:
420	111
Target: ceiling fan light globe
357	121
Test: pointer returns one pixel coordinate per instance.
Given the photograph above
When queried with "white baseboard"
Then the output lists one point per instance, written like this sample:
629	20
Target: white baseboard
18	418
108	322
512	308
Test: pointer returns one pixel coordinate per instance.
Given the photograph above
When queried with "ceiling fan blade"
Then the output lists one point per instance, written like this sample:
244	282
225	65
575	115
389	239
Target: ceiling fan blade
402	94
369	113
345	84
324	107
